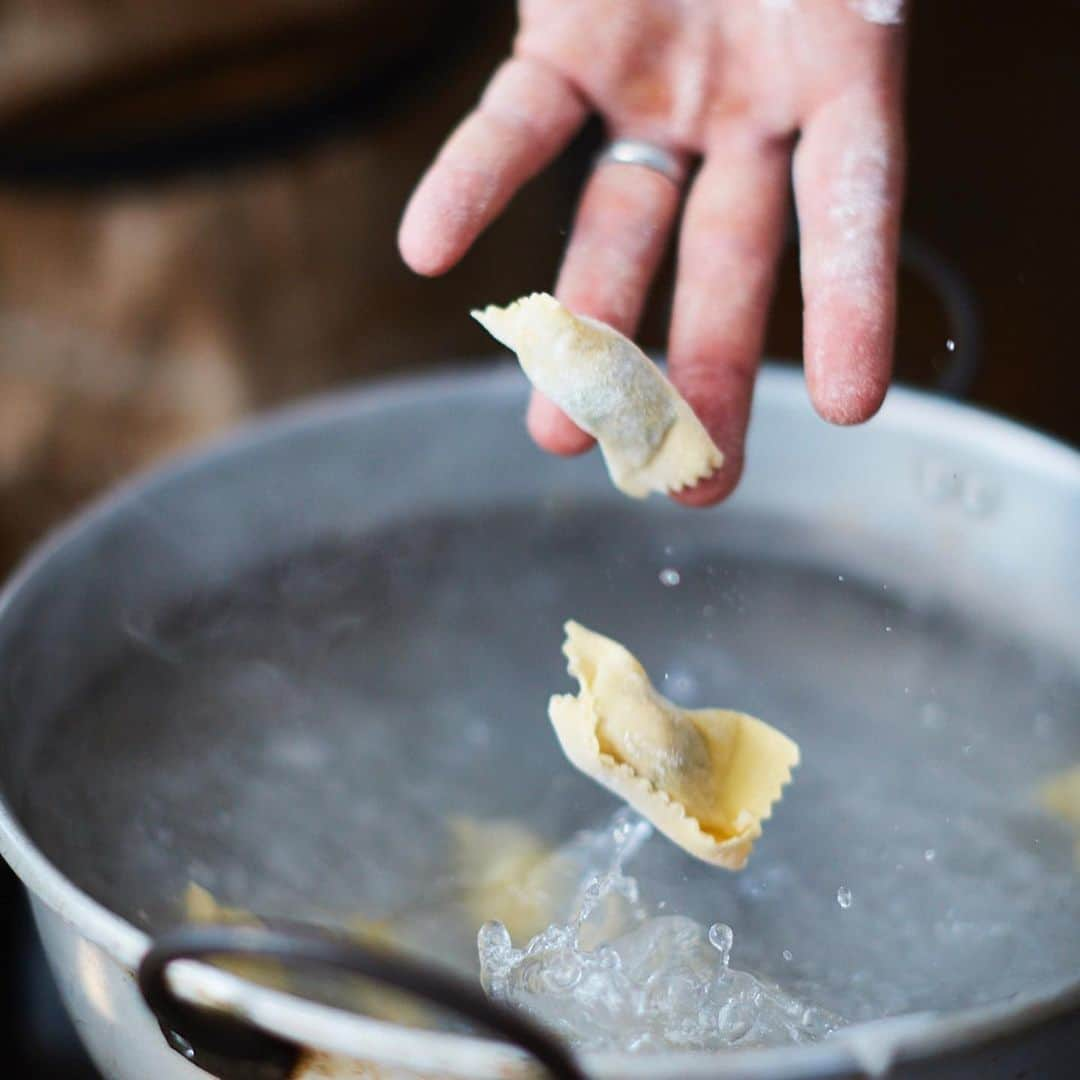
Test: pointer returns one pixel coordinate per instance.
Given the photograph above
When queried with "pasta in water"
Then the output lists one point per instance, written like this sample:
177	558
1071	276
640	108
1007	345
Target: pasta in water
200	906
511	874
515	878
1060	796
706	778
381	1003
650	437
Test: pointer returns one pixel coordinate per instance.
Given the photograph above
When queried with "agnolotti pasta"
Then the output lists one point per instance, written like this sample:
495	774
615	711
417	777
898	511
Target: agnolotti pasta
515	877
650	437
381	1003
706	778
1060	796
200	906
511	875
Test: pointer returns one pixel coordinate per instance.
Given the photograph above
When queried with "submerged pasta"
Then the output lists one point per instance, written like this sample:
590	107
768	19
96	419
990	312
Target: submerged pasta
650	437
381	1003
1060	796
200	906
706	778
512	876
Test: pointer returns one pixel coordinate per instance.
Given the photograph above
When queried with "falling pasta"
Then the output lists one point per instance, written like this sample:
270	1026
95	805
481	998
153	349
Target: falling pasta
650	437
706	778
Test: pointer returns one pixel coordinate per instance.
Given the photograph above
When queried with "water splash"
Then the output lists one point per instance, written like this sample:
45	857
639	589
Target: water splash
644	982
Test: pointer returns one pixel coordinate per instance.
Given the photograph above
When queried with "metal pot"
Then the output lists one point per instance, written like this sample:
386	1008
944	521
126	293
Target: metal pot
944	505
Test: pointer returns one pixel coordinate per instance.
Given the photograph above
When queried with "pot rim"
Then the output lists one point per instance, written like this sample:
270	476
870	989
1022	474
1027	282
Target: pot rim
870	1047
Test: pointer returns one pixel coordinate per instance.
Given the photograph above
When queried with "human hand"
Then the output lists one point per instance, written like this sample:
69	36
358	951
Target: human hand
734	82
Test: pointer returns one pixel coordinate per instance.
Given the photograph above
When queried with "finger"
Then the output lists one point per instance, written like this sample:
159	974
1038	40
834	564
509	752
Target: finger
552	429
728	248
620	232
848	182
527	115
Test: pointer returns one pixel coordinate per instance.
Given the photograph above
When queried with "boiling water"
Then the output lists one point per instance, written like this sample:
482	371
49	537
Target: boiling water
651	982
297	744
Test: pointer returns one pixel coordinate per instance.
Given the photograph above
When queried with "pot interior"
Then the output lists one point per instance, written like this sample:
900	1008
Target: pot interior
295	729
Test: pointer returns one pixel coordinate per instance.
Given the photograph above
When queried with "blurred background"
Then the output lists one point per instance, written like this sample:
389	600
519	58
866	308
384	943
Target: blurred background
198	205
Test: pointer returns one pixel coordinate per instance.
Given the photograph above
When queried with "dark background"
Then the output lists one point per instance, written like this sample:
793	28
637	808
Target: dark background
992	126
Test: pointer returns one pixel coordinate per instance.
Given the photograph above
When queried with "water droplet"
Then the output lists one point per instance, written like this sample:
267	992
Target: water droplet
843	897
929	854
670	576
681	683
966	749
787	955
708	611
182	1045
932	715
839	577
721	938
978	497
477	733
888	629
668	549
950	345
493	936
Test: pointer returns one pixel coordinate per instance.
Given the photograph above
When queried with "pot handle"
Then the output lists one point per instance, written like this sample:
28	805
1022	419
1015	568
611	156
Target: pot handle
961	312
226	1044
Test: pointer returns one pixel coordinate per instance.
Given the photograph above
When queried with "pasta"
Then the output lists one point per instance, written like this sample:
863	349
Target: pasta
706	778
650	437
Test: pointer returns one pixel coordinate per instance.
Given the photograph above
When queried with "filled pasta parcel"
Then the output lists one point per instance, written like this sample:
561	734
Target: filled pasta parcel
706	778
651	439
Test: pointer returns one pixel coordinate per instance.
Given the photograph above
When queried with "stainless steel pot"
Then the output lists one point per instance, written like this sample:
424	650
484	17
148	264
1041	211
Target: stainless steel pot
952	509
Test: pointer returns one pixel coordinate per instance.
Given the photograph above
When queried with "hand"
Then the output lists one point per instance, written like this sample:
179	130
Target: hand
734	82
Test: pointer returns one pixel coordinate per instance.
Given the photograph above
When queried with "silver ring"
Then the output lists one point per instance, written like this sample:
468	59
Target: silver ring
646	154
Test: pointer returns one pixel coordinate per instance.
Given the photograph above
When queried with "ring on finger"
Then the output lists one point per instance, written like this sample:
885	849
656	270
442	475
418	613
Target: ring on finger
646	154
